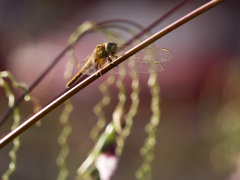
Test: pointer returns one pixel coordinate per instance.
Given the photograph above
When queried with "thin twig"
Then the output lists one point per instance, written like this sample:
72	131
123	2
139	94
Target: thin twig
156	22
34	118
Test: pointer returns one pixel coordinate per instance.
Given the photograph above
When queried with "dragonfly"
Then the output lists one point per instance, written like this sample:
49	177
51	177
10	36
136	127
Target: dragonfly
145	61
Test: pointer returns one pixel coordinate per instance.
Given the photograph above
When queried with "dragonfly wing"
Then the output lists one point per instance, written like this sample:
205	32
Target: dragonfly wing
133	66
161	54
149	53
91	70
88	64
146	61
86	67
83	62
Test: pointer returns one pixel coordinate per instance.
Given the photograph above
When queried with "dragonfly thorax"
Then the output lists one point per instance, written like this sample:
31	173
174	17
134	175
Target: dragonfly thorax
111	47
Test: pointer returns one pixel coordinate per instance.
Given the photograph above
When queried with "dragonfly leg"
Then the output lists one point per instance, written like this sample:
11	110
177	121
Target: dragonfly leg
101	75
114	56
99	64
110	60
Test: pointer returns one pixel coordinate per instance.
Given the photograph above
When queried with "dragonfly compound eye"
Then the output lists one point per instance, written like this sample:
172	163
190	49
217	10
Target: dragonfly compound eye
111	47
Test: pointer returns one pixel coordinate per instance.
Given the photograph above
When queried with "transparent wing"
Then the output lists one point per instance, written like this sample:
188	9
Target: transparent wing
145	61
87	65
83	62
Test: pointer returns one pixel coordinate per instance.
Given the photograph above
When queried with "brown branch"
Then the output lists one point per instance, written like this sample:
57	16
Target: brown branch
34	118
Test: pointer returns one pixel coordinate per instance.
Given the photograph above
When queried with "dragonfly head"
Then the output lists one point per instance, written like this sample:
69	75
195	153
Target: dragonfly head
111	47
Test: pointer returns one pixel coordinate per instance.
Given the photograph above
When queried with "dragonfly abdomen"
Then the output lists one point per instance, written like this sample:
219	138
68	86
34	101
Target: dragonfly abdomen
85	67
74	78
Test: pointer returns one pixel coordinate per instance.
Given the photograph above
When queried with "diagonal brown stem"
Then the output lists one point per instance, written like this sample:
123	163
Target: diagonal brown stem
34	118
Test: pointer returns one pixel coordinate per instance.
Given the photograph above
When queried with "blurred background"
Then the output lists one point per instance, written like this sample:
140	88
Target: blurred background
200	88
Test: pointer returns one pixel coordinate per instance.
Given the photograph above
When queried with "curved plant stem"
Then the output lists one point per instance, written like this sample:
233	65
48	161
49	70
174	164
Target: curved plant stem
7	113
147	151
32	86
16	117
34	118
62	140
